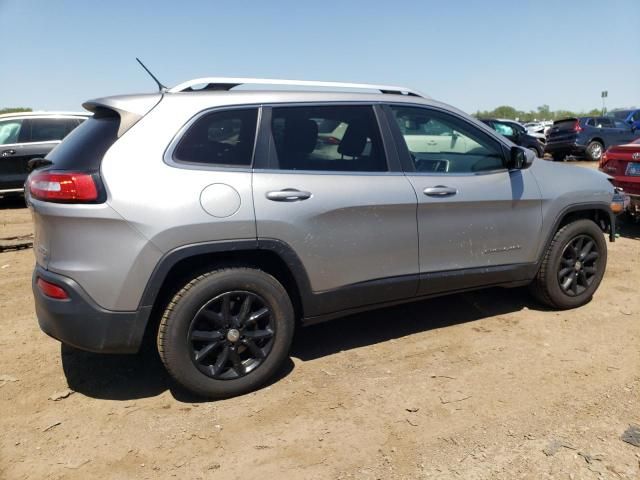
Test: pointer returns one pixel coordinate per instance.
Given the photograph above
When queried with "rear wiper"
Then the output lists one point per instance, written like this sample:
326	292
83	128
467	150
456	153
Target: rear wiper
36	163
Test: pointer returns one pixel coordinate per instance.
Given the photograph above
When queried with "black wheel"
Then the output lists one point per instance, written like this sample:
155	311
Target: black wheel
558	157
572	267
538	153
594	151
226	332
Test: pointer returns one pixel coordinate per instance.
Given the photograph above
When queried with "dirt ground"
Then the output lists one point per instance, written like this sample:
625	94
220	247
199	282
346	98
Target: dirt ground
483	385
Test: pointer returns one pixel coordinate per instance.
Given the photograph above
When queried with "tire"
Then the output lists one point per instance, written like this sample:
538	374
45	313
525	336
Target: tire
558	157
594	151
559	265
537	152
195	332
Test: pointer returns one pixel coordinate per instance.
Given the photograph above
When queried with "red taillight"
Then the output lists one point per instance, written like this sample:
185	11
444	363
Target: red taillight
51	290
603	160
577	128
63	187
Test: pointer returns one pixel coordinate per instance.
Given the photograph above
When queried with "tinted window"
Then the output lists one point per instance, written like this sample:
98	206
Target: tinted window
220	138
591	122
85	146
604	122
457	147
330	138
49	129
9	131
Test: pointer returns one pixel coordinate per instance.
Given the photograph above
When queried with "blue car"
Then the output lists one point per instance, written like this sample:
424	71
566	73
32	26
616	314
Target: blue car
630	117
587	137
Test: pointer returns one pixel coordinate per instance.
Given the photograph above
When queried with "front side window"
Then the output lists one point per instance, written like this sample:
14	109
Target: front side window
9	131
441	143
327	138
223	138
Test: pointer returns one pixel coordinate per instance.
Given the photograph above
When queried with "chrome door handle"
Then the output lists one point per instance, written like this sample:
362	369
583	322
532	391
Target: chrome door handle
6	153
288	195
439	191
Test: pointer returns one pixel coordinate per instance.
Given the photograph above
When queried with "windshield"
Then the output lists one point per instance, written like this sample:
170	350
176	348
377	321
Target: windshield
620	114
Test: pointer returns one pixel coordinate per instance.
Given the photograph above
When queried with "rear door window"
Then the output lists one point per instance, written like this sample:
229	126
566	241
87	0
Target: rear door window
9	131
331	138
224	138
49	129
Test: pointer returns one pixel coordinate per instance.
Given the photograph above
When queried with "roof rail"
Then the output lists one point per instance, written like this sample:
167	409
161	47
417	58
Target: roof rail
226	83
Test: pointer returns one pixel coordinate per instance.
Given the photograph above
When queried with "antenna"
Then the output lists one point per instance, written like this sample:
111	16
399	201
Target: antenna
161	87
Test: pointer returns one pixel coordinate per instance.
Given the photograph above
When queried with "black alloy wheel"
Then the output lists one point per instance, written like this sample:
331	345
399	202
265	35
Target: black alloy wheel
231	335
578	265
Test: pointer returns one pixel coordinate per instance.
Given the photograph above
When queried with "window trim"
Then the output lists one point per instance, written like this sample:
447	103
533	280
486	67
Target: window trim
265	162
168	156
409	166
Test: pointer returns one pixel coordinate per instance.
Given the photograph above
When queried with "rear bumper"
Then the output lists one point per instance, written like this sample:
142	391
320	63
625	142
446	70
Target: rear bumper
81	323
565	147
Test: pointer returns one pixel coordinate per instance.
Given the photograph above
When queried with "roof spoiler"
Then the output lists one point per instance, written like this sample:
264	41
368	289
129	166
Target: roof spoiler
130	108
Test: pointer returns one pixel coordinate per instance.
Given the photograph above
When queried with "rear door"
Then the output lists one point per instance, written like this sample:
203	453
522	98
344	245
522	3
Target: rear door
478	223
11	154
343	207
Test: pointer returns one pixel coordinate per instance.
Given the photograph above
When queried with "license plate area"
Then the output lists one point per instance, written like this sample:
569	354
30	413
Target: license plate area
633	169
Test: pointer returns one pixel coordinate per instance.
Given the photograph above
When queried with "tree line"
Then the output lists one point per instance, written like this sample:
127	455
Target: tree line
543	112
14	110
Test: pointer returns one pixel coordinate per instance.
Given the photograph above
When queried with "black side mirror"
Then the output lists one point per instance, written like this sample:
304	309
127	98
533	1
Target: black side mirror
519	158
36	163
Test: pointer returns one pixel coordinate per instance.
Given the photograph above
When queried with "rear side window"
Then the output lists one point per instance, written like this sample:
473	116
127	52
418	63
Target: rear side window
85	146
223	138
327	138
567	124
9	131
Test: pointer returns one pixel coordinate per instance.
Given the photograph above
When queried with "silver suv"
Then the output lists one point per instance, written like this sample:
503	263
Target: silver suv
216	219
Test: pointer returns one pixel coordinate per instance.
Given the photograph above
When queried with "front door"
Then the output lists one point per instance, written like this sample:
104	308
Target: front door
478	222
329	193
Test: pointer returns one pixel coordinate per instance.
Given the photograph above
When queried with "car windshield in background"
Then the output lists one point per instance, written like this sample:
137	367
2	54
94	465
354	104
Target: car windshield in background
620	114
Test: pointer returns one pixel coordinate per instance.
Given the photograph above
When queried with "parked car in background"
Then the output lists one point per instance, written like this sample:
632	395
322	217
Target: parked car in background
587	137
223	220
517	134
630	117
622	162
28	135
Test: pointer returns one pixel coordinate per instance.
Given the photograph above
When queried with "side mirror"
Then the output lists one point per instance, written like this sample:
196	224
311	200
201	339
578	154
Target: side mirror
520	158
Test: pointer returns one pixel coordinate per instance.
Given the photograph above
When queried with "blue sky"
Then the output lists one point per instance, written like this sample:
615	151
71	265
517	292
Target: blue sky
473	54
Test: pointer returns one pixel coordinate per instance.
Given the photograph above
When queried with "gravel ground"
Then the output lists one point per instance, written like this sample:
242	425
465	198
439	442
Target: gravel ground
482	385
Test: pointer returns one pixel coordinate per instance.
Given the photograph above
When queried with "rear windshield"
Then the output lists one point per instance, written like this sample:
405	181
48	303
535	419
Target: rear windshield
85	146
567	124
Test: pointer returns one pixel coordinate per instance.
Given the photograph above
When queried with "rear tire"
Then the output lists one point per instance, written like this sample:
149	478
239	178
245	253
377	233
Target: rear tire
594	151
558	157
226	332
572	267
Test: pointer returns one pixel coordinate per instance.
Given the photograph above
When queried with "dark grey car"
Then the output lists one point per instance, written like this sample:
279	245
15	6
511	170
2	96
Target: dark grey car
28	135
587	137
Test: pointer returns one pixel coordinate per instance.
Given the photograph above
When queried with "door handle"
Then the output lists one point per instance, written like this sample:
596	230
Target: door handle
440	191
288	195
6	153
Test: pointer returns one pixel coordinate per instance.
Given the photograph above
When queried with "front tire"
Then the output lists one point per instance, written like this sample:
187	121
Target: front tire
572	267
226	332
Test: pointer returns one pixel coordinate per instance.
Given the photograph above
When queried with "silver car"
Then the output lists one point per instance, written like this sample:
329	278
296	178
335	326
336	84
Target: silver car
219	219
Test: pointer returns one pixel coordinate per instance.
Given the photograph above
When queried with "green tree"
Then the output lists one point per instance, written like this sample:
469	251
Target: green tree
14	110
